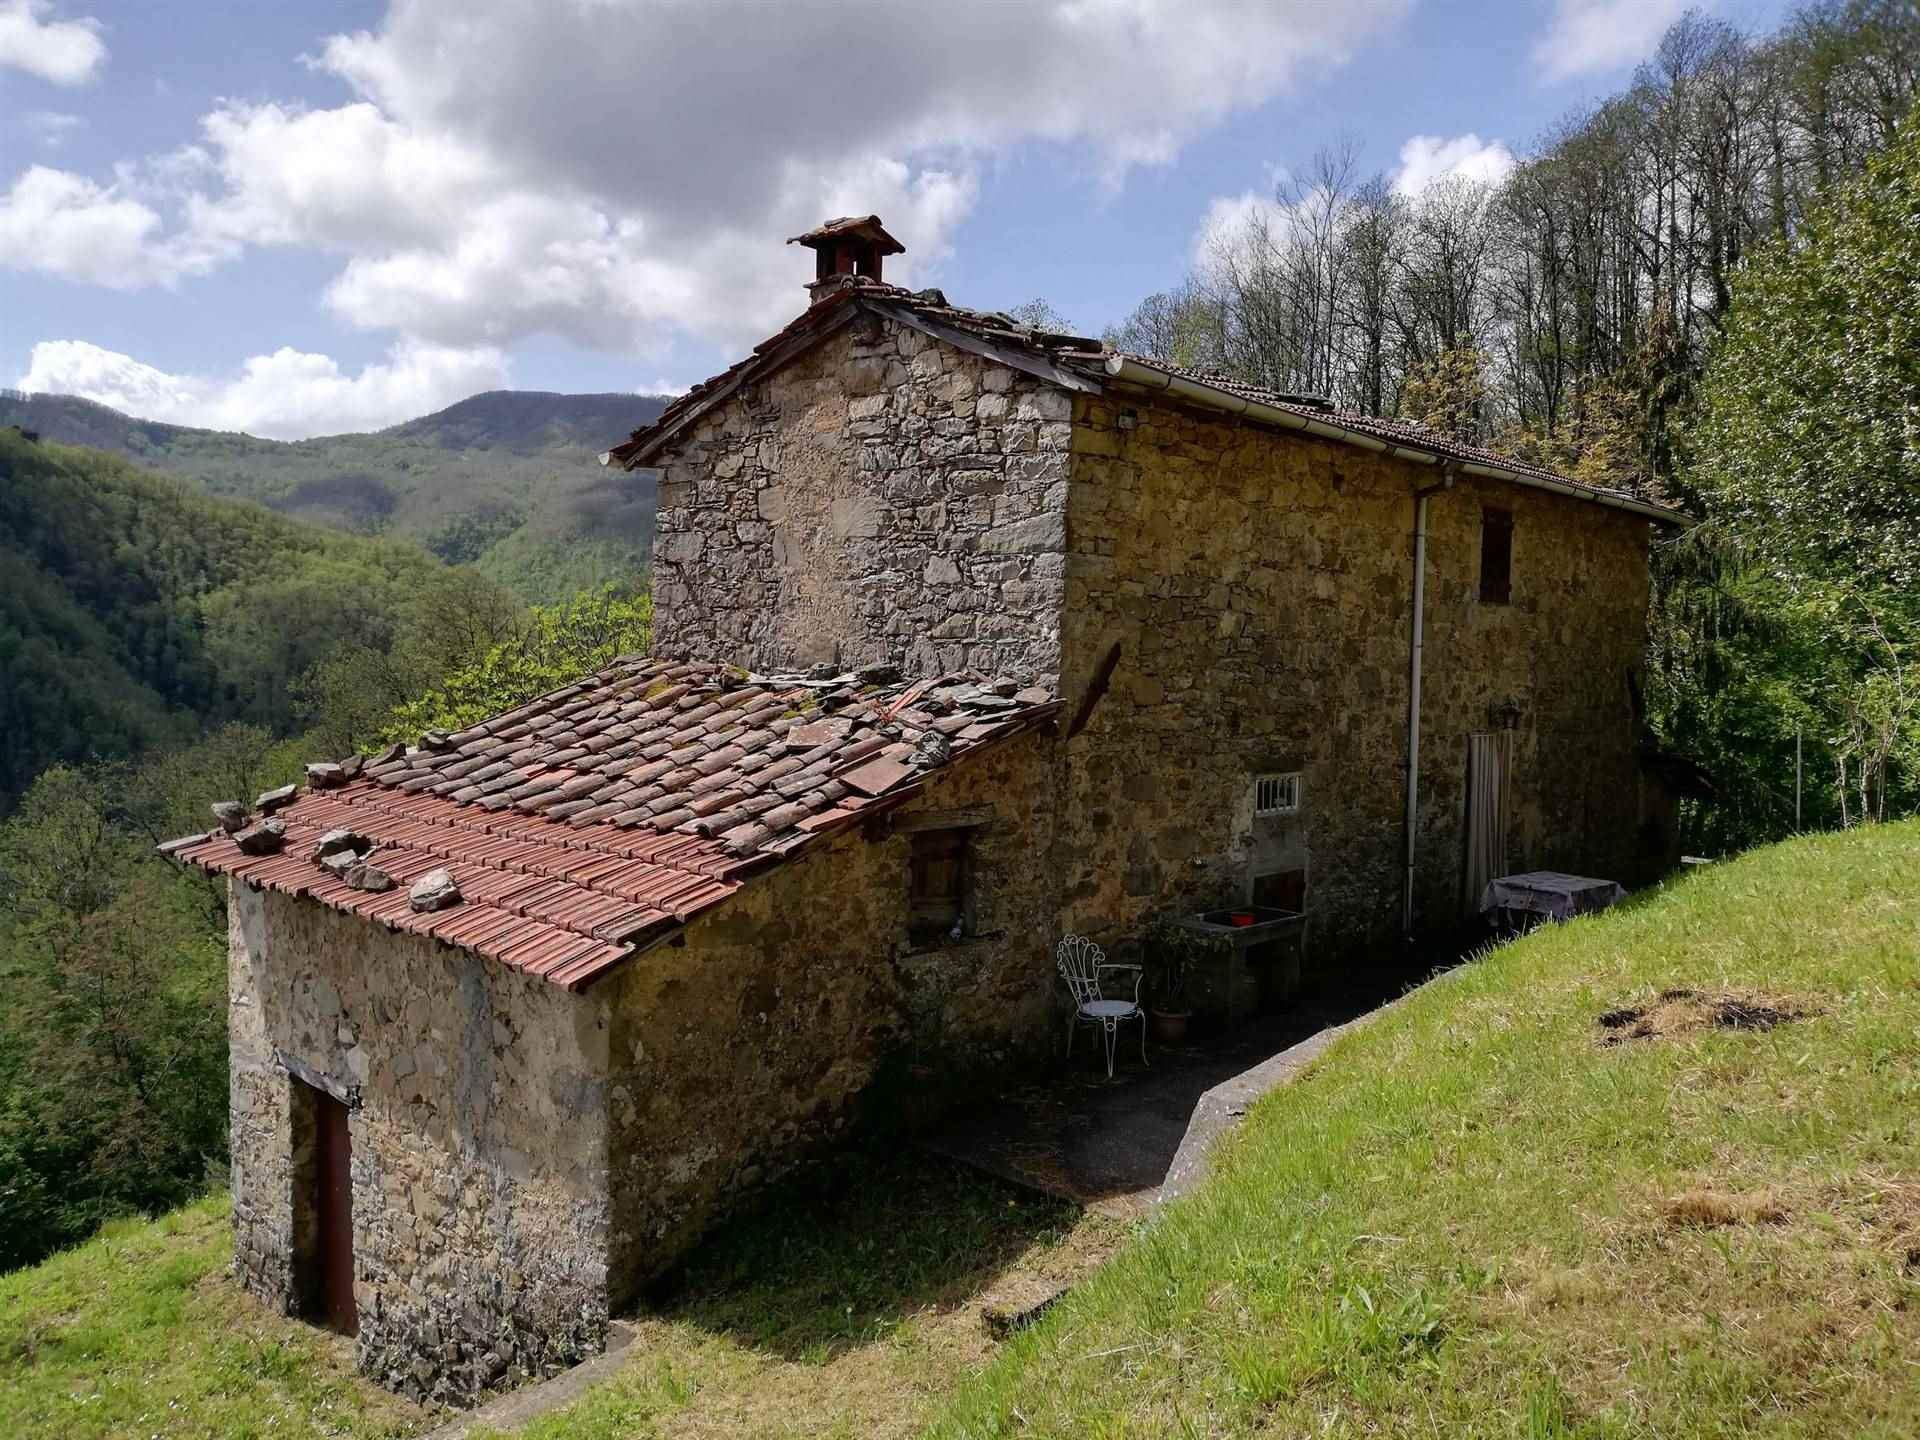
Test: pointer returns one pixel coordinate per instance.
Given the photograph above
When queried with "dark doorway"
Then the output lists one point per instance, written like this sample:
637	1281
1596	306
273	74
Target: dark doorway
326	1256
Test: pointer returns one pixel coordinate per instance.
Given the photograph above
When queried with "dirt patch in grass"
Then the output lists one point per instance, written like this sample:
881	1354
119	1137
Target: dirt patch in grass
1682	1012
1710	1209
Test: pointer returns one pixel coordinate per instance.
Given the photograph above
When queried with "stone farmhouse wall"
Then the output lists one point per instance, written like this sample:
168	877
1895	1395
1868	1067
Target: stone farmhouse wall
935	509
524	1160
477	1096
884	497
801	1010
1259	587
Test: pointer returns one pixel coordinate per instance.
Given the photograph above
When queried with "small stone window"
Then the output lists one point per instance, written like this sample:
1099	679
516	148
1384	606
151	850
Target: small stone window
1496	556
1276	795
940	877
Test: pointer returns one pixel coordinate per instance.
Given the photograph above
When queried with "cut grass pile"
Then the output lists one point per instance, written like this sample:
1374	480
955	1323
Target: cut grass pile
141	1332
1509	1208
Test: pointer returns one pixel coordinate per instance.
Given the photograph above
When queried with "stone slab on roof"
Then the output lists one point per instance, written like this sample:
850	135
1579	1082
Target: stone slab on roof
592	821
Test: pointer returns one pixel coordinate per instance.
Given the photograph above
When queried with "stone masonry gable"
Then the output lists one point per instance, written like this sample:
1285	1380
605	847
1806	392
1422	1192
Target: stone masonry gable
885	497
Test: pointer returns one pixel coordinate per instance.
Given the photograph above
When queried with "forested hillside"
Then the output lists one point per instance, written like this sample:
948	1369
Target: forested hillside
133	611
507	481
159	650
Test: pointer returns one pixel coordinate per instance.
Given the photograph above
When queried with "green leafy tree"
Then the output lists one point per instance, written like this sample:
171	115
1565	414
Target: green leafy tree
1809	434
1448	394
112	1019
559	645
1791	619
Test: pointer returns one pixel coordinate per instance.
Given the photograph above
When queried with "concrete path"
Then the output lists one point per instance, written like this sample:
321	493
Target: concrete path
1120	1145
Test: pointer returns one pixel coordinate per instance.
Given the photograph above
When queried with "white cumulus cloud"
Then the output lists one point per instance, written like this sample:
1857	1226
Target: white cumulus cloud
1425	159
65	52
1587	37
1232	223
624	174
60	223
287	395
1229	221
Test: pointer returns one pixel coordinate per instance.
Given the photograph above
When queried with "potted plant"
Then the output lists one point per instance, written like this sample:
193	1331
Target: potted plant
1170	953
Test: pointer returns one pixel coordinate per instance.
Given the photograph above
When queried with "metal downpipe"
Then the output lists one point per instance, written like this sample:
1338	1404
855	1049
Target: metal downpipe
1415	652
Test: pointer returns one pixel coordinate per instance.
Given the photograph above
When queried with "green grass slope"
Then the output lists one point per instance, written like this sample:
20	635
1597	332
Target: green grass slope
1502	1210
141	1332
1492	1214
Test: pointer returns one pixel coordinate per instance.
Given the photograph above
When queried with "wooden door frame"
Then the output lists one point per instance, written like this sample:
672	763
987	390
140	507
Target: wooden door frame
322	1156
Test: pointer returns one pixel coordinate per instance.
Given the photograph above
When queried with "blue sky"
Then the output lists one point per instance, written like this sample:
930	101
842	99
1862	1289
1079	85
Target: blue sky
294	219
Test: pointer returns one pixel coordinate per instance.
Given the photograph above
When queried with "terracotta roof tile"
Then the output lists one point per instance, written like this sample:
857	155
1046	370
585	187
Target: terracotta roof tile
739	784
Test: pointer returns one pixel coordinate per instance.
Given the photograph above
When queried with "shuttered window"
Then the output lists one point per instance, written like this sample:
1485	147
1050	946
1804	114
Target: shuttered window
1496	556
939	883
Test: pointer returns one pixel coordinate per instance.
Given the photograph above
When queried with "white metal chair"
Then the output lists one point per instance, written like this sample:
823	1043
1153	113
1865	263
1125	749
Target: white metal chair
1082	964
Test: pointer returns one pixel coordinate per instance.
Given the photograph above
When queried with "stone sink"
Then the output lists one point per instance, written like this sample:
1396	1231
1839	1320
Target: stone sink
1269	924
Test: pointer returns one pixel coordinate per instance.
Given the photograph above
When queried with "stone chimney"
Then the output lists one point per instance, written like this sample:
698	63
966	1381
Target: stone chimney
851	245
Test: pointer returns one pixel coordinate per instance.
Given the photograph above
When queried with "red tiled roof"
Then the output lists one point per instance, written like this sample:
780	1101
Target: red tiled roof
594	820
1077	358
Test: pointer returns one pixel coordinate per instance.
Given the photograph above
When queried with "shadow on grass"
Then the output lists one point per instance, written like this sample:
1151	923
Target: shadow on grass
843	1256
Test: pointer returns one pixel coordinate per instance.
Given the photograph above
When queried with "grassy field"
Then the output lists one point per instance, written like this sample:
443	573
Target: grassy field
1653	1174
141	1332
1553	1196
851	1308
848	1307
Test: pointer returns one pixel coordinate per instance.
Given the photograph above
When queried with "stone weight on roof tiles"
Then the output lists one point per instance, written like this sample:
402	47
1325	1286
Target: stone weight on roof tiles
266	838
269	801
595	820
326	775
339	862
341	841
435	890
365	875
231	814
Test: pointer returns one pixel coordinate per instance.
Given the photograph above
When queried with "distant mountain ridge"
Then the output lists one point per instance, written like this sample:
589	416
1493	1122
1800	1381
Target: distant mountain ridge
530	420
507	480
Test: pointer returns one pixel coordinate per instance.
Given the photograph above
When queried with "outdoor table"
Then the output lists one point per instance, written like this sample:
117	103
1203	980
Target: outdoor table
1546	895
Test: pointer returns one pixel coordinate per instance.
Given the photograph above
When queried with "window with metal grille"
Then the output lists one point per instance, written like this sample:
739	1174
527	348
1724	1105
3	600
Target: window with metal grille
1496	556
1277	794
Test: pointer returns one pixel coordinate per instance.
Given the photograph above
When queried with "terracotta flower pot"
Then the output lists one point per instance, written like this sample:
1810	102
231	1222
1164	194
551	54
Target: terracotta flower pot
1170	1026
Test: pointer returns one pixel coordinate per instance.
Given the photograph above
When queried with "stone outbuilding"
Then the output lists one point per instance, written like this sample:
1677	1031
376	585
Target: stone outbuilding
968	636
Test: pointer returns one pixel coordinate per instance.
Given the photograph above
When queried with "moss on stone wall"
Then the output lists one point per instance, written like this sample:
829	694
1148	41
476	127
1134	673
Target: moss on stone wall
1259	587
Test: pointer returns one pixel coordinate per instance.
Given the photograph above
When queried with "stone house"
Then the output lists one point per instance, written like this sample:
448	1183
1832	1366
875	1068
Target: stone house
967	636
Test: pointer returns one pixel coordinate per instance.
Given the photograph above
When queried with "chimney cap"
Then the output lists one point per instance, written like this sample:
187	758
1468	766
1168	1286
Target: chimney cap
847	227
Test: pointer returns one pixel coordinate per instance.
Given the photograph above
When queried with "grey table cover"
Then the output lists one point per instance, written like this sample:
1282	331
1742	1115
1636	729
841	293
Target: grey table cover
1550	893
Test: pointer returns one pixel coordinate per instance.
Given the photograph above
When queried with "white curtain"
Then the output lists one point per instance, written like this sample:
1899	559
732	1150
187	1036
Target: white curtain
1489	763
